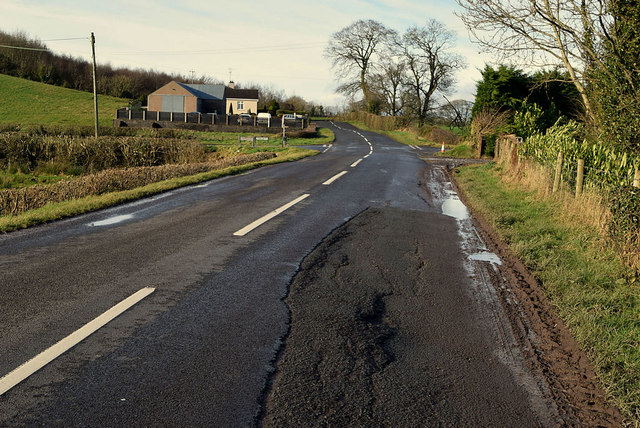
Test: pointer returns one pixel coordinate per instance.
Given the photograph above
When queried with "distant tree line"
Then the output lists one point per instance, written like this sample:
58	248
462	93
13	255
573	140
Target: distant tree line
75	73
39	64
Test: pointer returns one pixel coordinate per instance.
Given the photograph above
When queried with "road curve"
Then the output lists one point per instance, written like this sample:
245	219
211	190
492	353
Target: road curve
221	257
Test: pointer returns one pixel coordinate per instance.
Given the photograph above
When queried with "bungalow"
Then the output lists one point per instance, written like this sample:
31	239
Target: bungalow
179	97
240	100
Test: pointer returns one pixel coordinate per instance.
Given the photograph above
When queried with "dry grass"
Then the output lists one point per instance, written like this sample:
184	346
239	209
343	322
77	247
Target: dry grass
589	209
17	201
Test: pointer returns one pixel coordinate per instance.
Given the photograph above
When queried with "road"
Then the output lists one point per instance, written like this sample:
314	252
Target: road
232	269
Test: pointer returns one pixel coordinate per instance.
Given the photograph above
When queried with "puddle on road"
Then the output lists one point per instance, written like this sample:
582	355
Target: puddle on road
486	256
453	207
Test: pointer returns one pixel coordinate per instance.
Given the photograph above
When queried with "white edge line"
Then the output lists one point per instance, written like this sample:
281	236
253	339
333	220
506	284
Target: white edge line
334	178
355	164
45	357
366	156
269	216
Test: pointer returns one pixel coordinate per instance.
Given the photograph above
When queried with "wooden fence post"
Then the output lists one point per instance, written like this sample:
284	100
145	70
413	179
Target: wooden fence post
496	150
580	178
636	178
556	178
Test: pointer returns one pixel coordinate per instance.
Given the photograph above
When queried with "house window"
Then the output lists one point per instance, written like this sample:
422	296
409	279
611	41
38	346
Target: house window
240	105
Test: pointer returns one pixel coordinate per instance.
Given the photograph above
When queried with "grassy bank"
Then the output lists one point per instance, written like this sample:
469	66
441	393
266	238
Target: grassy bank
24	101
55	211
583	277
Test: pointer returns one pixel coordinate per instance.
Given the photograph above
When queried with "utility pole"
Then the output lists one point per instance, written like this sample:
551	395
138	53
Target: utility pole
193	76
95	93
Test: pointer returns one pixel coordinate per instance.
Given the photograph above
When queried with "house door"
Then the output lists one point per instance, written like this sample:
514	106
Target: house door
173	103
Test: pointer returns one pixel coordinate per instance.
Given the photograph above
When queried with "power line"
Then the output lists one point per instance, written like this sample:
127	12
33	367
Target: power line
252	49
24	48
72	38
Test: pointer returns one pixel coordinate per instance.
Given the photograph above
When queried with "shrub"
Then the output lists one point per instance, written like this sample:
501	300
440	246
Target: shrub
439	135
16	201
624	226
96	154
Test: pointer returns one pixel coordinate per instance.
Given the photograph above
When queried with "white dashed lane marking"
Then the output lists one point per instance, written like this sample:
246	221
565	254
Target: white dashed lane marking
45	357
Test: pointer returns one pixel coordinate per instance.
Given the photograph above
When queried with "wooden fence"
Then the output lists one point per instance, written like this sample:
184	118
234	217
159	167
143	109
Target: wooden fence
506	150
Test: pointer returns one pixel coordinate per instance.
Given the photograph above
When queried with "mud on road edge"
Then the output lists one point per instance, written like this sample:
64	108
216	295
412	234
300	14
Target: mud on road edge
552	350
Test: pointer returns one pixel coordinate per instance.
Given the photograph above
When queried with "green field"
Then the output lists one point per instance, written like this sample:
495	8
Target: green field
324	136
26	102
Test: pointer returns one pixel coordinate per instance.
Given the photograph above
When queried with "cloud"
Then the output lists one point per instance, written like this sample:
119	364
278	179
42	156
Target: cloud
212	37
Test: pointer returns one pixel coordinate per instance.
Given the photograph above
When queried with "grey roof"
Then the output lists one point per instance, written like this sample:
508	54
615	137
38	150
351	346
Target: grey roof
205	92
248	94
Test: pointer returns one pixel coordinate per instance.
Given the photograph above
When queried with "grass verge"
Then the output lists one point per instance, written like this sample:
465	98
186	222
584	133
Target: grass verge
583	277
402	137
411	138
70	208
461	151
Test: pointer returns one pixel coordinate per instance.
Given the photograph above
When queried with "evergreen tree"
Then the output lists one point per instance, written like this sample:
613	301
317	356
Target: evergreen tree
616	89
502	89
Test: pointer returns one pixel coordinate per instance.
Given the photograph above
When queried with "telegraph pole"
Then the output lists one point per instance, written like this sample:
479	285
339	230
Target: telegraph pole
95	94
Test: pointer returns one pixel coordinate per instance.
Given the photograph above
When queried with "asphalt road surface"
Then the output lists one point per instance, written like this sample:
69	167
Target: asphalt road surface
349	288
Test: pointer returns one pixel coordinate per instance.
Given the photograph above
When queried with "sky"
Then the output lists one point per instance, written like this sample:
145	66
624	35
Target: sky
275	44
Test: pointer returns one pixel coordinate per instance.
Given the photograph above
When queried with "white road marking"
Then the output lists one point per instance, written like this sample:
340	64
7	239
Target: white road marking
325	150
334	178
269	216
367	156
112	220
45	357
355	164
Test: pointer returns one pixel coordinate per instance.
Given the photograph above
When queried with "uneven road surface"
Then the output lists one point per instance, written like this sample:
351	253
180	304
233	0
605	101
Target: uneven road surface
347	289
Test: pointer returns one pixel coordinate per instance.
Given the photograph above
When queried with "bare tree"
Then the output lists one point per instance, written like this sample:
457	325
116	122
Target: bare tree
430	65
351	51
456	112
388	82
543	33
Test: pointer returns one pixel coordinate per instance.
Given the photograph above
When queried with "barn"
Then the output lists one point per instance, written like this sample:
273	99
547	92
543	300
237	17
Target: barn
179	97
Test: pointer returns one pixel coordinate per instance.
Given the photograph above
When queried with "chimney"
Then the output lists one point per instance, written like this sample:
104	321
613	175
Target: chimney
231	84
